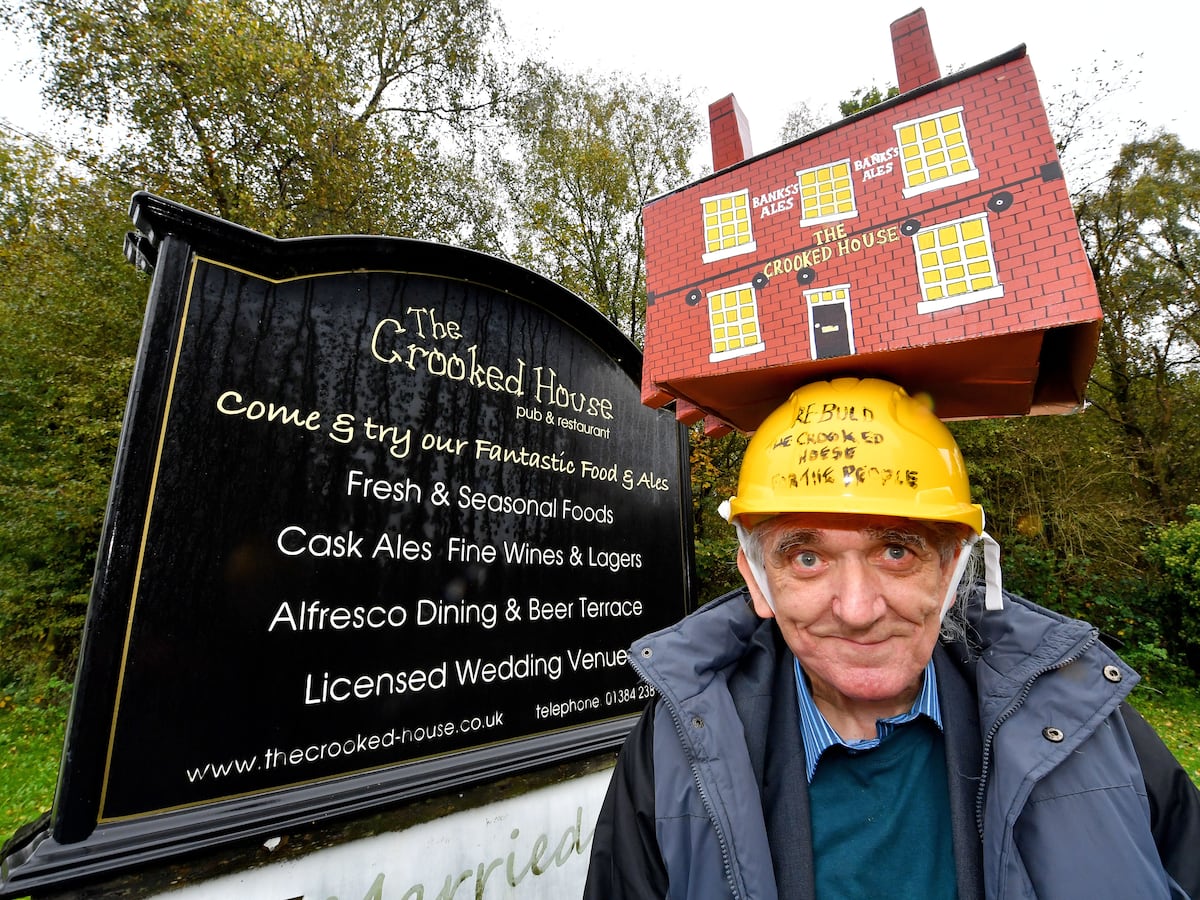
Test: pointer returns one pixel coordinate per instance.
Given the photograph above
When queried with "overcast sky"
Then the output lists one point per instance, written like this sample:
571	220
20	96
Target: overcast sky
773	55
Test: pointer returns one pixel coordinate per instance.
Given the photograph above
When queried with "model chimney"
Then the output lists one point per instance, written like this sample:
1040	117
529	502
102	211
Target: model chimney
729	133
916	63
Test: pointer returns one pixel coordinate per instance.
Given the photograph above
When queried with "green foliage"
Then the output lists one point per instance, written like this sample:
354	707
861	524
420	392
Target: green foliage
1056	485
1062	504
1142	233
1129	612
32	726
1086	507
715	463
1174	551
865	98
70	312
716	566
288	116
591	152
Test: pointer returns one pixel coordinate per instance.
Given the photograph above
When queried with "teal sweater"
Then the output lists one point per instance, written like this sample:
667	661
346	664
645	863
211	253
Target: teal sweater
881	819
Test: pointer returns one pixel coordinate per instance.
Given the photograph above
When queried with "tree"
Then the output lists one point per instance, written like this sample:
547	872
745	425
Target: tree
1082	504
589	153
288	116
715	463
1056	493
70	311
803	119
1083	121
1142	232
865	98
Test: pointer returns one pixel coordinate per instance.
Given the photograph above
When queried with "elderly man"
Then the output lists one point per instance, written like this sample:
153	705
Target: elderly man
853	725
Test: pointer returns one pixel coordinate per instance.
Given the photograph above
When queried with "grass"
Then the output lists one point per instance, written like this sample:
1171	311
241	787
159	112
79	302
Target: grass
31	741
1175	715
31	737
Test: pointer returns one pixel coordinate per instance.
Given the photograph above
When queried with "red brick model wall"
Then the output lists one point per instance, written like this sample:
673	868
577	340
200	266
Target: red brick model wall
1019	192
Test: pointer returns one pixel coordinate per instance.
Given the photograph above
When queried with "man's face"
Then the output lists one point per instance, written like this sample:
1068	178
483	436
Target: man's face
858	600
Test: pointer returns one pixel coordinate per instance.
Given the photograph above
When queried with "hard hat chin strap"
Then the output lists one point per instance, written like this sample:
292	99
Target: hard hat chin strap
993	597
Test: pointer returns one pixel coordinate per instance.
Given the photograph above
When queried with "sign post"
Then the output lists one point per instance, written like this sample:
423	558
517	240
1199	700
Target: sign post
384	518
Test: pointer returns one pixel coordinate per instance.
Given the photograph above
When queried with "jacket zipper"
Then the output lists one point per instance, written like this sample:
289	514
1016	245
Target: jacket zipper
726	859
681	734
1008	713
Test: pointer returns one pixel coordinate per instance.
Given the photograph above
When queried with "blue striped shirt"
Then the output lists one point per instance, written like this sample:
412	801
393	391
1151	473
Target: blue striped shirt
818	735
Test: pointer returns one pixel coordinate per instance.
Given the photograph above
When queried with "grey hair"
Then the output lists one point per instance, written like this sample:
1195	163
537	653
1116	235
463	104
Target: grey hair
955	628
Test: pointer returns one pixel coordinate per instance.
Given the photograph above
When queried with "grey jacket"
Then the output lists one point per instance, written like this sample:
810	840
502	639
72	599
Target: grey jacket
1048	797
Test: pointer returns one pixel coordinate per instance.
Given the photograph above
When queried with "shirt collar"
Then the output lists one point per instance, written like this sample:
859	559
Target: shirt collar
818	735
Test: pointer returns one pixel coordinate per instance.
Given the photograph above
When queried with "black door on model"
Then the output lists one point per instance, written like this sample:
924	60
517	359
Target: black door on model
831	332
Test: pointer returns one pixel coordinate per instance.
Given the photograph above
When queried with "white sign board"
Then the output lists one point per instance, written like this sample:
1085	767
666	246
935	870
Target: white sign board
532	846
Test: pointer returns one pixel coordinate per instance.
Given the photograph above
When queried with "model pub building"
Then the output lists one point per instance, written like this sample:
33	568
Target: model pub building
929	239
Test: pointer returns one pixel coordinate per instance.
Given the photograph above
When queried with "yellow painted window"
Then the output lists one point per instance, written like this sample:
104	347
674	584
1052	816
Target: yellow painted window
839	294
733	322
955	264
827	193
935	151
727	226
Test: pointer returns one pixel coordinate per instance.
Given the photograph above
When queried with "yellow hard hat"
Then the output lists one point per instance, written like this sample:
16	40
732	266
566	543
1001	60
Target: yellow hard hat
855	446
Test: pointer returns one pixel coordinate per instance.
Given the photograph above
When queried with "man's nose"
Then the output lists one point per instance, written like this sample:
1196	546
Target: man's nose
857	601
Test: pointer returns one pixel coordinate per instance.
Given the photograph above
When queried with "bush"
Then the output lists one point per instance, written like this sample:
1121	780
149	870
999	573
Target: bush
1133	616
1174	553
716	567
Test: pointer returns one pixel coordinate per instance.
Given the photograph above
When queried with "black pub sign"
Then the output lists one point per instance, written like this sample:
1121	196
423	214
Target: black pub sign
385	516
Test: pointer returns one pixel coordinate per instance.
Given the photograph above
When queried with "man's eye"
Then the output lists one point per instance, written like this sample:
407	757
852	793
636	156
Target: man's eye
807	559
897	552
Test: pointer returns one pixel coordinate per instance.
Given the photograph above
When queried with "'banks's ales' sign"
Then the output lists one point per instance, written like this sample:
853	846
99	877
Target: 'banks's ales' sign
385	517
